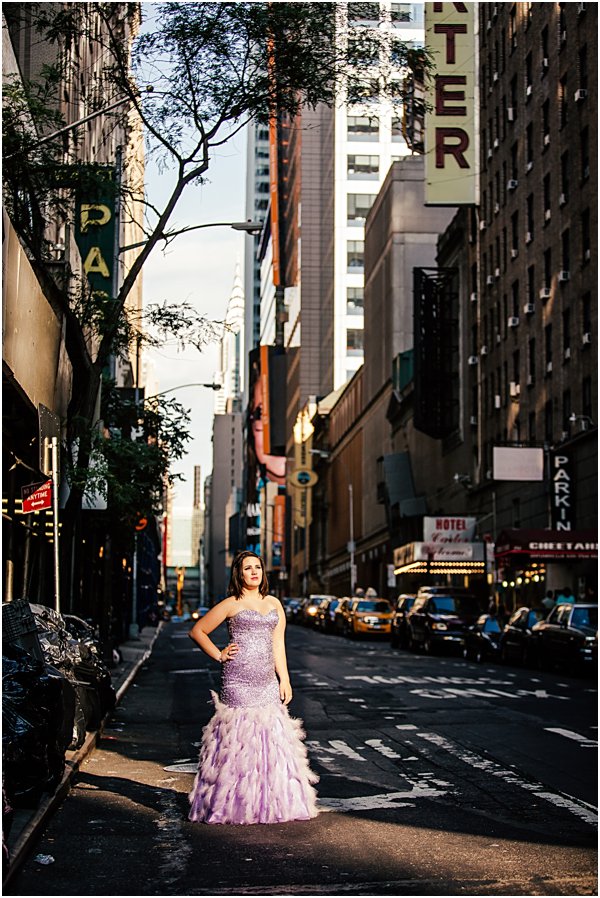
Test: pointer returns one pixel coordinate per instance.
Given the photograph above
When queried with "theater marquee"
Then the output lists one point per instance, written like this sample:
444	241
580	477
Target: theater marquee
450	123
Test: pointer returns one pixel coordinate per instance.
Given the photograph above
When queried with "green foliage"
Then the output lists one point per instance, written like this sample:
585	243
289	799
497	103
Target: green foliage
132	456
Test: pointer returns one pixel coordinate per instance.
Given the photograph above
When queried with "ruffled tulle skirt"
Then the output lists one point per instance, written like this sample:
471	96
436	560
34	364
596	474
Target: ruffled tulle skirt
253	768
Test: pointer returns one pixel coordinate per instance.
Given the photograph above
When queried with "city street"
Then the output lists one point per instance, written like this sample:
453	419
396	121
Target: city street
438	777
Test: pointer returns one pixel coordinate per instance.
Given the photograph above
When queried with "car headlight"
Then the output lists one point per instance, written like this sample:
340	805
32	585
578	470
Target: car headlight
439	626
195	615
312	611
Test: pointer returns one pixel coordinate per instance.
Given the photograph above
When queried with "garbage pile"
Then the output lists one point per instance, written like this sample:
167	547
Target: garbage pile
55	688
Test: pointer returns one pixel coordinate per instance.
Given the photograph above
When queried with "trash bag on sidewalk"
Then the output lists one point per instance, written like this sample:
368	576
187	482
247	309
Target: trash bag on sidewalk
78	659
37	713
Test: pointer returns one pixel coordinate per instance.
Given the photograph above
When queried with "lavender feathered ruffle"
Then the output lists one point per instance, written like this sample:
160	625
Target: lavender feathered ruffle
253	768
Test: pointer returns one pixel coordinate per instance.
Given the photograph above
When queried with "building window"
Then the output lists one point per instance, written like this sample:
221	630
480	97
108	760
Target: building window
531	284
514	92
397	129
586	397
583	68
586	313
515	299
354	341
566	330
512	27
401	12
514	222
548	345
567	408
548	421
566	250
545	124
544	50
356	255
361	127
355	300
529	146
514	161
547	198
517	367
564	176
531	362
358	207
563	102
548	268
528	75
585	153
530	218
532	434
363	12
363	167
586	245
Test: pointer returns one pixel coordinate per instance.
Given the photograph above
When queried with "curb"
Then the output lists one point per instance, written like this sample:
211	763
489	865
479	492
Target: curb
32	830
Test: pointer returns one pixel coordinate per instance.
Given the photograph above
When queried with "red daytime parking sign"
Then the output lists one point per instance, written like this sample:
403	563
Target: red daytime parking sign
36	496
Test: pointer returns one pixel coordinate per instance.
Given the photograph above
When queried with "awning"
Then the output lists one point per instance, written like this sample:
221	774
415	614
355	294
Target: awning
440	558
547	545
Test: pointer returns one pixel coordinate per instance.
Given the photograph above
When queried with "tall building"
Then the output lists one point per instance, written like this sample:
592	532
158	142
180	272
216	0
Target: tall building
230	371
197	516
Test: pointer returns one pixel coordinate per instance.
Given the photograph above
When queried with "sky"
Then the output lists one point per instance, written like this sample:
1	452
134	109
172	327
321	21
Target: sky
198	268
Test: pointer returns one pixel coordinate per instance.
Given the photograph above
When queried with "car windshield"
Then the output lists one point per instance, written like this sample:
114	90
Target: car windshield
381	607
585	617
406	604
491	625
456	604
537	614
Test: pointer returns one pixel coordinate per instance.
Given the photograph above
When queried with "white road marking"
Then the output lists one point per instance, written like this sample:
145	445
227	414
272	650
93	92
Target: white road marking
383	800
383	749
342	748
406	726
584	741
577	807
182	768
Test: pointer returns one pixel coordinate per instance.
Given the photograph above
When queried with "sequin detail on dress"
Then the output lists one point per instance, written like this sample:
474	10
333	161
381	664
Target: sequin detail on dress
253	766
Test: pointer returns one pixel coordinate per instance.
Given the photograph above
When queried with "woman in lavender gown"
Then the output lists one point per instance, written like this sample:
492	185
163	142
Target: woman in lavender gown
253	766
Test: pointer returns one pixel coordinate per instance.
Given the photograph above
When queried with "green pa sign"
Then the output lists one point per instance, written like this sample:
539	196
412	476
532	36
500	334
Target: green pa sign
95	229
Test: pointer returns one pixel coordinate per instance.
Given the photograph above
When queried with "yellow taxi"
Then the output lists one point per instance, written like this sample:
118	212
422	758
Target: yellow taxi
369	616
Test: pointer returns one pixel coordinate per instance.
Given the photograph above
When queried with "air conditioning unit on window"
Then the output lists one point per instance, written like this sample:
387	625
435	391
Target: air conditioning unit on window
496	272
473	420
580	95
515	390
581	8
545	64
530	380
482	225
510	113
529	165
496	143
497	401
512	184
529	90
586	339
513	321
549	368
473	360
484	350
564	276
587	255
546	140
495	76
489	153
567	353
547	214
544	293
562	199
473	297
528	237
496	208
489	280
529	308
514	253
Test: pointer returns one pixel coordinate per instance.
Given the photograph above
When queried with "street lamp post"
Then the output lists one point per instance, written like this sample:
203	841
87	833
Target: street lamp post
248	227
322	453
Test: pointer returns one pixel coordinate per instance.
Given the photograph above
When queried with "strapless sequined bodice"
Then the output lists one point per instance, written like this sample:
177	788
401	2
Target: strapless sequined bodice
249	678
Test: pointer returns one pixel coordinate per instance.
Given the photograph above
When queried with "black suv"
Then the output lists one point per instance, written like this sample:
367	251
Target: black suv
437	621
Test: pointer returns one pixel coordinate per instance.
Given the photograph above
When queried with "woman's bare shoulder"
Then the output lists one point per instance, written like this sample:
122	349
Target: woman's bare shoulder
227	605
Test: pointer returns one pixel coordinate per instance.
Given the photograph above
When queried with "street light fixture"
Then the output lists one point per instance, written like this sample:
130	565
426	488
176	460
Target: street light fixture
249	227
322	453
212	386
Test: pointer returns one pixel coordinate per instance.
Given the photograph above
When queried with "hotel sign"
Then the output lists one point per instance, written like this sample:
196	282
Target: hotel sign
450	125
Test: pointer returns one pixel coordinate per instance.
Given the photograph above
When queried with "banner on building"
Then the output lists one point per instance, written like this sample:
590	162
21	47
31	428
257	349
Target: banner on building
562	493
278	560
95	229
266	458
451	151
517	463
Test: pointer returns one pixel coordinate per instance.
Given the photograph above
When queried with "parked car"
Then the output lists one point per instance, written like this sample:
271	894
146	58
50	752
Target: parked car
340	616
568	637
326	614
308	611
482	639
368	616
442	590
441	620
516	645
399	631
292	609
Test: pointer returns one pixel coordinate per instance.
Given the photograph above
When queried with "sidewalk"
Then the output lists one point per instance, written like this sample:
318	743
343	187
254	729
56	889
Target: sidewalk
29	822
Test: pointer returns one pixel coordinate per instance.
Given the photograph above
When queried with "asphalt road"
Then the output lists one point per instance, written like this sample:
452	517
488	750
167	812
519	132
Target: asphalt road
438	777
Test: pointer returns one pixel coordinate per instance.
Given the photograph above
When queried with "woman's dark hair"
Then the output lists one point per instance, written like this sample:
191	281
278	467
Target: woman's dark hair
236	583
